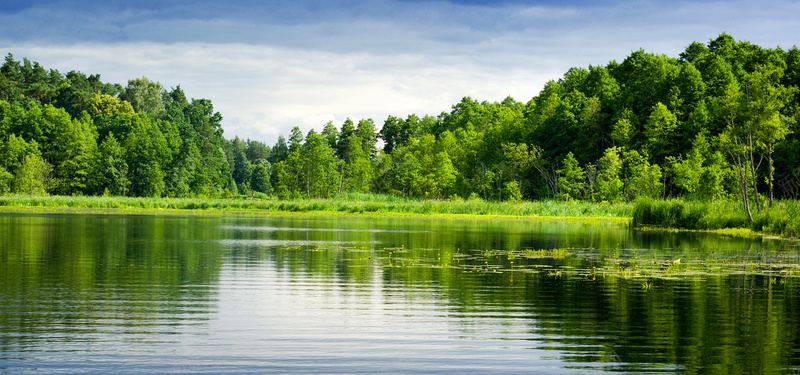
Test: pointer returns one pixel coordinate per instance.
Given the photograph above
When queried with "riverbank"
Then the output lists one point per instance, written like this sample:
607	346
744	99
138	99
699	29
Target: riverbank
782	219
348	205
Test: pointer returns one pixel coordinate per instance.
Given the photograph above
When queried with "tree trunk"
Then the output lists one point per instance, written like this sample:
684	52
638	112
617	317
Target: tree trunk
753	174
742	179
771	176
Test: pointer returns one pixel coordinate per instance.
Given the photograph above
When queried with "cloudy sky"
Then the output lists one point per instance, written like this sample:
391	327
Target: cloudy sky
270	65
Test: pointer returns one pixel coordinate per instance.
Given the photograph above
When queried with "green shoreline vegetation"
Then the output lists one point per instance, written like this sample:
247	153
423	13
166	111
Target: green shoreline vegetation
355	204
708	140
781	220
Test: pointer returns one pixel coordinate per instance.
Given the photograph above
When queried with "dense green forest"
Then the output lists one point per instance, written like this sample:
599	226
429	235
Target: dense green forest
720	121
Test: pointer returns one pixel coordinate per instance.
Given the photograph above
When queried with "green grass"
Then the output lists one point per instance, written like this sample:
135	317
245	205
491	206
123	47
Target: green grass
347	204
783	219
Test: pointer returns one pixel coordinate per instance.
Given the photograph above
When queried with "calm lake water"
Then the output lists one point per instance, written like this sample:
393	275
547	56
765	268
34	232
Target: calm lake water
133	294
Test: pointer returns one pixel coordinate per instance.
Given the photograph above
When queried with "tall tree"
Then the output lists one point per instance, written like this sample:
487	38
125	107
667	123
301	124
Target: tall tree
570	178
609	185
145	96
765	100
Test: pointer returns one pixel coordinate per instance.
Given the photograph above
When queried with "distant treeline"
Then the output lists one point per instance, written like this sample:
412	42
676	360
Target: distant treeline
718	121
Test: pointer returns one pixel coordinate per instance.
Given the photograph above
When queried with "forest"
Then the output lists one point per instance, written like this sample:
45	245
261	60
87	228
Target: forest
717	122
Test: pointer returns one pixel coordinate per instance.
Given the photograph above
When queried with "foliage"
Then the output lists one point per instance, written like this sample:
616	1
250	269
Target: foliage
717	122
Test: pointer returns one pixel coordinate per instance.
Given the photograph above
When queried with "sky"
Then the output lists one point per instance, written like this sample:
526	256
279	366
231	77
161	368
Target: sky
268	66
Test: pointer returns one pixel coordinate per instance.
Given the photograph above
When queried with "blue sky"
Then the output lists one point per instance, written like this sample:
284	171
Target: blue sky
270	65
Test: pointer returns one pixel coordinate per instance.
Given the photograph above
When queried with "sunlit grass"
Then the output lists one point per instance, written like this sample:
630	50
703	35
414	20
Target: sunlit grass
351	203
783	219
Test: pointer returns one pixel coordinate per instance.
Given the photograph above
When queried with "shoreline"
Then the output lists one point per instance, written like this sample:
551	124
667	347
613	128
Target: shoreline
372	207
255	213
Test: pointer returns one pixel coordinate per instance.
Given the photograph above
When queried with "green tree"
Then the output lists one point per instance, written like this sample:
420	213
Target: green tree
73	151
107	105
146	154
261	177
365	131
345	137
407	171
661	132
644	179
357	171
13	151
737	140
110	172
767	125
283	180
280	151
608	185
570	178
393	133
331	133
33	176
511	191
443	176
240	166
320	175
145	96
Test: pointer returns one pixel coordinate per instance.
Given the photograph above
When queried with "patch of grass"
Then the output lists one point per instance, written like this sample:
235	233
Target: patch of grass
783	219
346	204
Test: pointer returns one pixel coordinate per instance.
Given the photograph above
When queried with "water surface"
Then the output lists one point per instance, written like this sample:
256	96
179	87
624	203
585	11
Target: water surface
99	294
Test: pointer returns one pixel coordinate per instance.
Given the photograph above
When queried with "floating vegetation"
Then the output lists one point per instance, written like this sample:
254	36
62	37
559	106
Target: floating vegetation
641	266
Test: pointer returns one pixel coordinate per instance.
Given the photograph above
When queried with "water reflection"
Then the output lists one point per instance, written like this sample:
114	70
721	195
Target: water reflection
169	294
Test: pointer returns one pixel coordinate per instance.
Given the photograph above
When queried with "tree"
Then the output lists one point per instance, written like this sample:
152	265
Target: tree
13	151
145	96
257	150
261	177
393	134
74	145
280	151
520	158
33	176
737	140
107	105
511	191
357	171
570	178
283	180
146	154
608	186
644	178
365	131
240	166
687	171
443	175
213	172
110	172
661	132
768	126
407	171
330	133
345	137
320	175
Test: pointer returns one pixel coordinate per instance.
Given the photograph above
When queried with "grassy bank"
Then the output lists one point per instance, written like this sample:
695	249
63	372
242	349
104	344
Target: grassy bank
783	219
349	204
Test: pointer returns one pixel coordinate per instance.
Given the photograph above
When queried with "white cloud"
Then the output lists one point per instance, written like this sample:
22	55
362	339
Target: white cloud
311	63
262	91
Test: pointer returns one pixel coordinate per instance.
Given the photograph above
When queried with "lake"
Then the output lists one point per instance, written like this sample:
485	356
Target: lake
171	294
